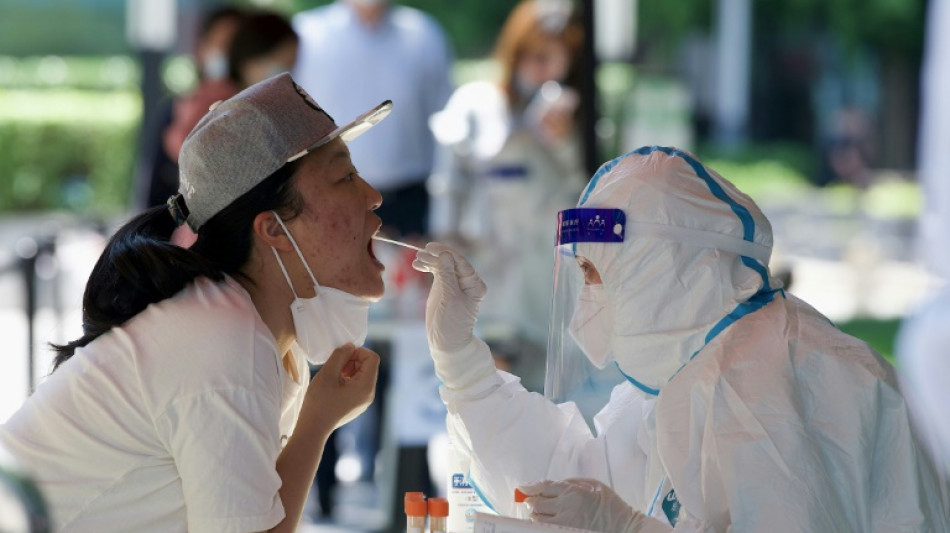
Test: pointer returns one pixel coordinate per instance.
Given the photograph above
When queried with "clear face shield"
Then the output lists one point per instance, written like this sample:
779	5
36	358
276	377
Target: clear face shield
580	364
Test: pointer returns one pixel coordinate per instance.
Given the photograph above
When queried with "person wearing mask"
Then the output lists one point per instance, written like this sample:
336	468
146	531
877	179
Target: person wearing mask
741	408
375	48
509	155
185	405
263	45
181	114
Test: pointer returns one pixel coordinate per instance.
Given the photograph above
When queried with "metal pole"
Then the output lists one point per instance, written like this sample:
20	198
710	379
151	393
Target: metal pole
152	89
151	29
592	156
27	249
733	53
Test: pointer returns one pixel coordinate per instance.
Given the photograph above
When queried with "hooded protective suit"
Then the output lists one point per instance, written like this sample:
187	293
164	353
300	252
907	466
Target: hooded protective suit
744	409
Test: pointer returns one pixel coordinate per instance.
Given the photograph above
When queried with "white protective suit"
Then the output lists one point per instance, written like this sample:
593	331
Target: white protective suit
497	184
745	409
923	339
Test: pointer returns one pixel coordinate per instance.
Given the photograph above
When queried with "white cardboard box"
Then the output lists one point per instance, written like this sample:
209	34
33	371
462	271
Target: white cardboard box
490	523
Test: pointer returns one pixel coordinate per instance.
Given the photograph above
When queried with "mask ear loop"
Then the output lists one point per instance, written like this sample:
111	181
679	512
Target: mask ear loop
284	270
316	286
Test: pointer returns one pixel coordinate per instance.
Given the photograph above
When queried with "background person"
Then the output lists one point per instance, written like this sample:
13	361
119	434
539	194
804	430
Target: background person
509	155
185	405
742	408
180	116
263	45
377	50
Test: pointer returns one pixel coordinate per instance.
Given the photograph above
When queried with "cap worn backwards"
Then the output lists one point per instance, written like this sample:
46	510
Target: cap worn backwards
243	140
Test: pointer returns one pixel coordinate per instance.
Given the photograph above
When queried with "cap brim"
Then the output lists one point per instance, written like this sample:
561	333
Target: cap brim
352	130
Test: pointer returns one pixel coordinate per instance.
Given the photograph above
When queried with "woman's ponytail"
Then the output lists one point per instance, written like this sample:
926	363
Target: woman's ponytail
138	267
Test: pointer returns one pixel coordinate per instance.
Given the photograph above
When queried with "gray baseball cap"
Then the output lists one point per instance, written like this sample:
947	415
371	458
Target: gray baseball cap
246	138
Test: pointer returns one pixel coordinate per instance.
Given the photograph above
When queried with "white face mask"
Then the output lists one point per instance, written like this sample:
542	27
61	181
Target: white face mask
327	321
215	66
591	326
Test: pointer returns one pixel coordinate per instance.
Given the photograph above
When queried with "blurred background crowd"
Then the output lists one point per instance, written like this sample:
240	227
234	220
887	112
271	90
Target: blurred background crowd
503	109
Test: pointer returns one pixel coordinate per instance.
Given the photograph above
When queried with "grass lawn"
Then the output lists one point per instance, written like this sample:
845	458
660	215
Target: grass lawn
879	334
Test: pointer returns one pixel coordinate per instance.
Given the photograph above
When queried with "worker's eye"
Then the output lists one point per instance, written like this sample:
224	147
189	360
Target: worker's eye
584	266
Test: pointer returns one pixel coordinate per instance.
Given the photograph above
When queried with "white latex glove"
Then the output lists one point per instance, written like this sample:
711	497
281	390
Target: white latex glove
587	504
460	359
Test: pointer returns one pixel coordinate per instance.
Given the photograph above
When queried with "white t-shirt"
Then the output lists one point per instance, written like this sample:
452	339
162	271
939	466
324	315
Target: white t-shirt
171	422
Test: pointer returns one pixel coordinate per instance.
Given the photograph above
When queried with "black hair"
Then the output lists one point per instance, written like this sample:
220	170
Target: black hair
258	34
217	15
140	267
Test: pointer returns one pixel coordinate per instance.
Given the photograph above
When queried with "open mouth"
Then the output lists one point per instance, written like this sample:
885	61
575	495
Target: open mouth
372	254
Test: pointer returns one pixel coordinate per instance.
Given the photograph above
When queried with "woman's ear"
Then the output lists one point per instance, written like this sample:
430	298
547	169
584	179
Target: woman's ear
270	232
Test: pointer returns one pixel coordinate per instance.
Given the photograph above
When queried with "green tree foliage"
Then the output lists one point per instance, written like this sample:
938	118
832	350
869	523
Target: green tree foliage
30	27
662	25
63	149
896	26
66	166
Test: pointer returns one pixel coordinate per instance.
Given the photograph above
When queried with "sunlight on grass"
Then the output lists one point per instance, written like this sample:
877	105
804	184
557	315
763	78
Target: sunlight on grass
69	105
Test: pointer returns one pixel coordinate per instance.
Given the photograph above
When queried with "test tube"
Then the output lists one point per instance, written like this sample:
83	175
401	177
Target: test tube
438	512
416	510
521	510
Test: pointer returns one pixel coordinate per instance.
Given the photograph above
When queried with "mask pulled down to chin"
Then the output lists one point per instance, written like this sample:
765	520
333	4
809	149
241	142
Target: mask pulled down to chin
328	320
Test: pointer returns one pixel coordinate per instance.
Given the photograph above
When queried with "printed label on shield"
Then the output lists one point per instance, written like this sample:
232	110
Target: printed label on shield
591	225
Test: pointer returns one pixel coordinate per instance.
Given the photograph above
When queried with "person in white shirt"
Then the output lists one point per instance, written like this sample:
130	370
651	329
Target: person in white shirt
185	406
377	50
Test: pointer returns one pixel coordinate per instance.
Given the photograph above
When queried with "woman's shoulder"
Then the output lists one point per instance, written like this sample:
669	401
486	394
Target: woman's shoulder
204	306
208	336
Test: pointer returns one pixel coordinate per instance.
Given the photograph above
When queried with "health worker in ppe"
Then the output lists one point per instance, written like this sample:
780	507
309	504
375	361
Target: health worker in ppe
508	158
741	408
